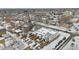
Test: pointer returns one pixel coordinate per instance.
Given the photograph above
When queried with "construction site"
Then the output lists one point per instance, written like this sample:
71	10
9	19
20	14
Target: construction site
39	29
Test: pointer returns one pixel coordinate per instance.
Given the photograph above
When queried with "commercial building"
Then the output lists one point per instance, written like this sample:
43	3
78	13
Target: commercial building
39	29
